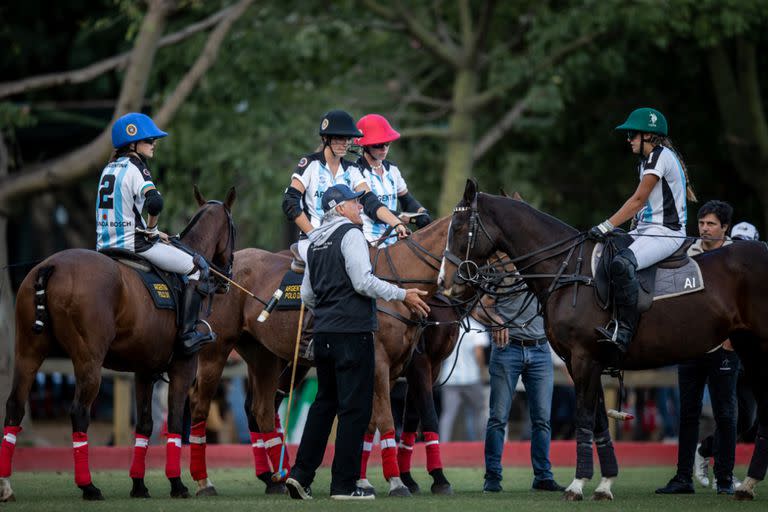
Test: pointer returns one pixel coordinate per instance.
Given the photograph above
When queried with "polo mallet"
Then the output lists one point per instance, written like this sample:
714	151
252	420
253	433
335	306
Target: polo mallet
281	474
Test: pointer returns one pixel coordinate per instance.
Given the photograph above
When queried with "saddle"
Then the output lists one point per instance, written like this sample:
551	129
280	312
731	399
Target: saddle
675	275
164	287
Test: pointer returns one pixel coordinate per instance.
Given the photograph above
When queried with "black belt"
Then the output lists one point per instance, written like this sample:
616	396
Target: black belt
527	343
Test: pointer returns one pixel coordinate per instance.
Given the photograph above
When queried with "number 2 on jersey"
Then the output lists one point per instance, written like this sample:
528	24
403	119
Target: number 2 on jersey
106	201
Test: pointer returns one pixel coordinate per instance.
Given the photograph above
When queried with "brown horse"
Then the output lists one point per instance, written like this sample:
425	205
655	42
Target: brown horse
731	306
98	311
266	346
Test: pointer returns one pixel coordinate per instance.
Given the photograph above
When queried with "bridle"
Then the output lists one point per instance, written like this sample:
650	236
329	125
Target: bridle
467	271
222	286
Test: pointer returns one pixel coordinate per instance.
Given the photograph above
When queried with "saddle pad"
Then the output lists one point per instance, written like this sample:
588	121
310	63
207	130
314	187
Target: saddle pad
668	282
161	294
291	286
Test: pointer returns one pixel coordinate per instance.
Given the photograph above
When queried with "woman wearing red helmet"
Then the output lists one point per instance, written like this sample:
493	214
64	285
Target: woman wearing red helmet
384	177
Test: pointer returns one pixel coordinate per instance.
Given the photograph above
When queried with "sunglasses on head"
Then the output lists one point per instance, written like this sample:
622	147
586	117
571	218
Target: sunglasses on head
380	146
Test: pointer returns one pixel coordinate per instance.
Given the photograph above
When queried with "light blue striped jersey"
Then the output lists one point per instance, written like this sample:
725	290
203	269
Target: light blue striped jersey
666	205
122	188
387	186
313	172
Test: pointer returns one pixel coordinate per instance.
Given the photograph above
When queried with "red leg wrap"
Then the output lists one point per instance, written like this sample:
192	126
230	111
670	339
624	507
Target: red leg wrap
389	455
173	456
197	443
278	425
273	442
367	447
260	461
405	451
138	462
432	443
80	449
6	450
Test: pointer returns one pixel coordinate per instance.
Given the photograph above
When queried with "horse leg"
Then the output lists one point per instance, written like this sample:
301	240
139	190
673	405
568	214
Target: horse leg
586	377
29	356
609	466
210	365
382	418
144	385
180	376
366	454
88	380
408	439
758	465
420	381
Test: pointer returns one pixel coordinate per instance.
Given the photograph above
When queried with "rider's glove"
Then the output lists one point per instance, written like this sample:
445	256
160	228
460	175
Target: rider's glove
599	232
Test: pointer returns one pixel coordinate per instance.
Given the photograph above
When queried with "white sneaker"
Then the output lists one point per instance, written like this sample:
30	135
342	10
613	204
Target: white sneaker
357	494
701	468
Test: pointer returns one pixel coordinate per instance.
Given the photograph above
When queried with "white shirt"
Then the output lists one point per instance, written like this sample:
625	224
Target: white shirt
119	202
666	204
313	172
387	186
466	371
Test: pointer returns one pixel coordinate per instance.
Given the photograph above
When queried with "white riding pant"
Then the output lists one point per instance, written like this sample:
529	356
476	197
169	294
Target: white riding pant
652	249
171	259
303	248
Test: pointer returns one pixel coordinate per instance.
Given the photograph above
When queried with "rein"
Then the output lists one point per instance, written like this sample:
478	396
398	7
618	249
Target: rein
418	250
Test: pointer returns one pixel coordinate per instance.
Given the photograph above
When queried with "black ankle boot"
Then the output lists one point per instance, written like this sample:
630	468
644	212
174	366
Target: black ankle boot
190	340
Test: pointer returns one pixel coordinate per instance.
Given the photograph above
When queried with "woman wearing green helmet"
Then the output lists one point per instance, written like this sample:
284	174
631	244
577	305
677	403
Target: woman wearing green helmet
659	211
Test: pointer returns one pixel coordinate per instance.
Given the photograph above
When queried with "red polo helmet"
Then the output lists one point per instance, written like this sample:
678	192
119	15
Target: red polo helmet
376	130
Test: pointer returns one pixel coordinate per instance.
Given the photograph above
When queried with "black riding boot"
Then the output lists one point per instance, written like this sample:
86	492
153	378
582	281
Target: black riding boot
190	340
625	288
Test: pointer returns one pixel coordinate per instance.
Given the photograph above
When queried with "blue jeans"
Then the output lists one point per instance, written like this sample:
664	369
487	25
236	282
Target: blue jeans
507	364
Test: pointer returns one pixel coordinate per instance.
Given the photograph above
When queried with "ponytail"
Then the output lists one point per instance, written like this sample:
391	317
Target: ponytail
667	142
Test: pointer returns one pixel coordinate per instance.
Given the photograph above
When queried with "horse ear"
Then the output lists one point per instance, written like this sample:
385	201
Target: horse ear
503	193
231	196
517	197
199	197
470	191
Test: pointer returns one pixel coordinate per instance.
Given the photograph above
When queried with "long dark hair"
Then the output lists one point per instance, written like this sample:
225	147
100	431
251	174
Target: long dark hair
667	142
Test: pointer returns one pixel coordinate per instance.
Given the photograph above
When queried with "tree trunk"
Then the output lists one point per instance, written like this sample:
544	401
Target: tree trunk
460	144
7	318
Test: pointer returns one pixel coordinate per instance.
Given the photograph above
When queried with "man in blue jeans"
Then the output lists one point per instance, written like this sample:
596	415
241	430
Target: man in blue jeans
520	348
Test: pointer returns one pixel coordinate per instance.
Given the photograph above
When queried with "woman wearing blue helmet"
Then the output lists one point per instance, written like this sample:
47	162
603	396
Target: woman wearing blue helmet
658	210
125	188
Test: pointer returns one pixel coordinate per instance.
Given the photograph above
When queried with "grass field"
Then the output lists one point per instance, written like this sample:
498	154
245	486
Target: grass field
240	491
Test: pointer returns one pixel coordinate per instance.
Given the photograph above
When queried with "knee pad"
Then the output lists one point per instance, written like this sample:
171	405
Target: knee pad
624	264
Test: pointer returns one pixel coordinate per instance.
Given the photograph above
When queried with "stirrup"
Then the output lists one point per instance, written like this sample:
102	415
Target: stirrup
609	333
194	343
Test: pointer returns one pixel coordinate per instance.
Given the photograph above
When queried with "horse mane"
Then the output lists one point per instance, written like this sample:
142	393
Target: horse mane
550	221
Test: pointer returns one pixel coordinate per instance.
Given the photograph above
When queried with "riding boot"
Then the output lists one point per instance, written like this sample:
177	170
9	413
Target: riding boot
625	289
190	340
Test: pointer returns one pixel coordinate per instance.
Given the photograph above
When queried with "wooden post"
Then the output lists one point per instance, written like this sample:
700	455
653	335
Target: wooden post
122	407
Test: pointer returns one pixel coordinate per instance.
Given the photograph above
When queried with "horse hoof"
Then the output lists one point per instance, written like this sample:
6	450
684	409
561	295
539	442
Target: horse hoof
410	483
602	496
91	493
206	491
276	489
572	496
743	496
442	489
8	499
400	492
139	490
178	489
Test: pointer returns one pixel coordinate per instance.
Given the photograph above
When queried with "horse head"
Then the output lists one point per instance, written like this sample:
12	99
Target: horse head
212	232
471	241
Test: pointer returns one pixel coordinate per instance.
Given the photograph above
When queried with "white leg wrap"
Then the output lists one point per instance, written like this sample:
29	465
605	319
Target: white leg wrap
748	485
364	483
395	483
5	489
603	490
577	486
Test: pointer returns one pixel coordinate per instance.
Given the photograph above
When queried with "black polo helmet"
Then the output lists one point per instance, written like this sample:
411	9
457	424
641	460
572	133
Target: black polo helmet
338	123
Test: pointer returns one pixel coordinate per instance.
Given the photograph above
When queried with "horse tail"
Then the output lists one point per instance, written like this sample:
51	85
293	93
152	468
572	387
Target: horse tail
41	311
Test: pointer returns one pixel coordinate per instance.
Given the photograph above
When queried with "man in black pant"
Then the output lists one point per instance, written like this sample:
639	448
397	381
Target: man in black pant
719	369
340	288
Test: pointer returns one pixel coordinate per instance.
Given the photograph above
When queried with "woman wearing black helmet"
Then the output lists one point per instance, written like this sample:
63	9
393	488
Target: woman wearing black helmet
659	209
125	188
316	172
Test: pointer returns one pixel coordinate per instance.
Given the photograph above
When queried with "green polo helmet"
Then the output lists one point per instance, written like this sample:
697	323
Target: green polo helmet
646	120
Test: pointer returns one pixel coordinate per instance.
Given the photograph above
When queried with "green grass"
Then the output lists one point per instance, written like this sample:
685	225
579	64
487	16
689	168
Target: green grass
240	491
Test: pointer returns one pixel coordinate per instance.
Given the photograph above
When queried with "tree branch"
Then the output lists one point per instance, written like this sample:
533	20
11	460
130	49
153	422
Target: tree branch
481	32
204	61
96	69
497	131
482	99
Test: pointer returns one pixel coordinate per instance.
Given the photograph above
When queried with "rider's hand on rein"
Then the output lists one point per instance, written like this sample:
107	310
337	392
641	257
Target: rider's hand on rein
601	231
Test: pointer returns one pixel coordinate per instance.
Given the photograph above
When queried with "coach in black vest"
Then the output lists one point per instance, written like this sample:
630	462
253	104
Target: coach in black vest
340	288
